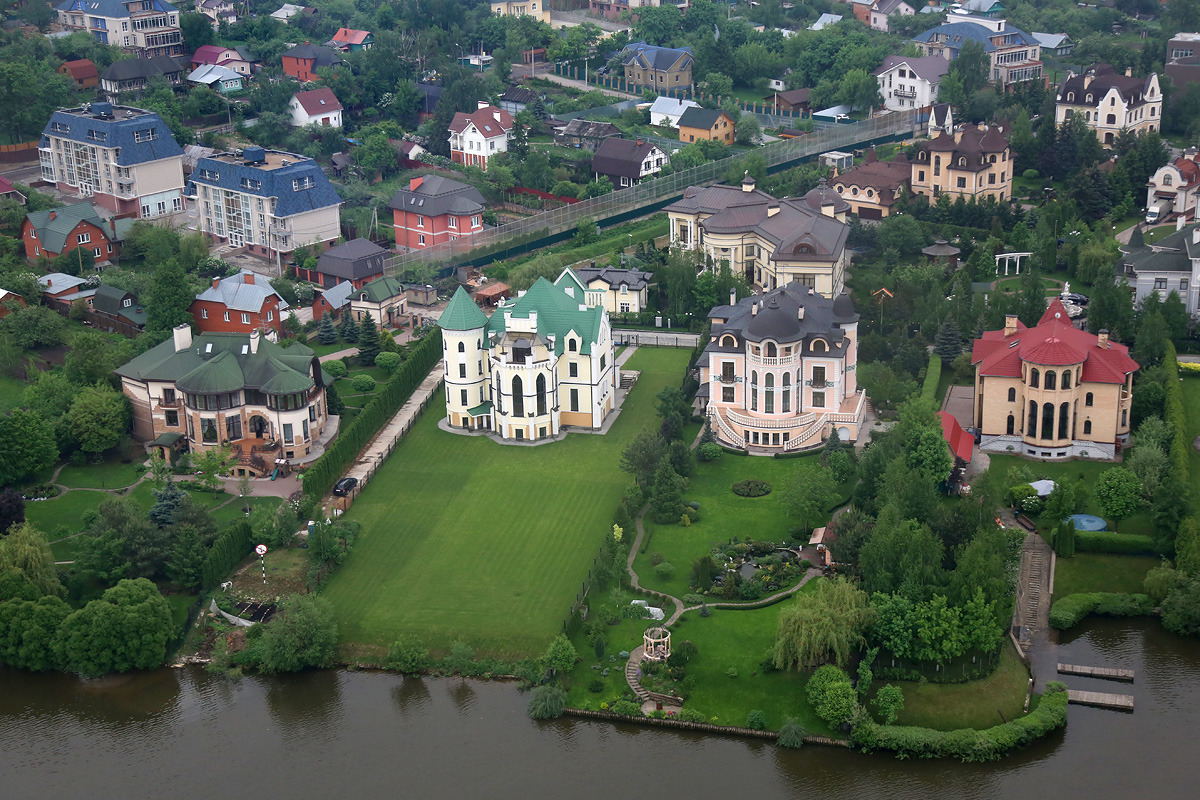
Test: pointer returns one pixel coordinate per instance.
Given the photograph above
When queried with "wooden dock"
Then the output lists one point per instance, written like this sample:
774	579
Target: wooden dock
1107	673
1117	702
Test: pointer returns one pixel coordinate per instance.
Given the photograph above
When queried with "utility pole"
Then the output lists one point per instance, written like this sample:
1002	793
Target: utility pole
882	294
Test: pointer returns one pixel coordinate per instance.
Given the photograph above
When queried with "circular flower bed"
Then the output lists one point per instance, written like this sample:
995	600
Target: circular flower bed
751	488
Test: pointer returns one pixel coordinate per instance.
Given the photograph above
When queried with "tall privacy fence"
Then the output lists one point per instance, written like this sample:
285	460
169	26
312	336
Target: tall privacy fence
649	193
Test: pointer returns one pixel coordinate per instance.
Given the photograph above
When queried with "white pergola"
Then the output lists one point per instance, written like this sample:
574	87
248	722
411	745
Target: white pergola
1010	259
656	643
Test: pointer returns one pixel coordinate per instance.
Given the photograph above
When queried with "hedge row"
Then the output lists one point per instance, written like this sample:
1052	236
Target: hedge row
1071	610
1109	542
320	477
969	744
227	552
1175	416
933	375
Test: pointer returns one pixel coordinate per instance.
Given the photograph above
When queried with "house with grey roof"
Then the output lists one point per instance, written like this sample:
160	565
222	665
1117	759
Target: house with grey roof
1014	56
910	82
627	162
712	124
1172	264
118	305
1055	45
240	390
132	75
357	261
618	291
241	303
64	287
660	68
145	28
216	77
666	111
585	133
434	209
779	371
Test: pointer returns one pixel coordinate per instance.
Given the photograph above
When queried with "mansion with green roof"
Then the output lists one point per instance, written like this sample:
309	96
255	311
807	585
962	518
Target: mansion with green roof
543	362
264	401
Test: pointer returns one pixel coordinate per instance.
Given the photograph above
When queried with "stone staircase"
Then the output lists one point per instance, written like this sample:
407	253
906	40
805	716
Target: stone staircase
1032	611
631	673
628	379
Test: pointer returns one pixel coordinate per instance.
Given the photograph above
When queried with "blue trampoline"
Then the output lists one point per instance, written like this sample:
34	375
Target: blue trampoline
1088	522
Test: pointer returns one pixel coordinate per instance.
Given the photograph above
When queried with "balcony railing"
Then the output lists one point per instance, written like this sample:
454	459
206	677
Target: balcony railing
789	423
772	362
164	403
727	378
900	91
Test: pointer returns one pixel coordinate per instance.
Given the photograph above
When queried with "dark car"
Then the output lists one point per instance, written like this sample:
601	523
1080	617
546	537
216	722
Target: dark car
343	487
1076	298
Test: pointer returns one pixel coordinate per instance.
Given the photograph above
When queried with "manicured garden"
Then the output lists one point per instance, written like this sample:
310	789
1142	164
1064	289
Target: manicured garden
1094	572
112	473
464	538
950	706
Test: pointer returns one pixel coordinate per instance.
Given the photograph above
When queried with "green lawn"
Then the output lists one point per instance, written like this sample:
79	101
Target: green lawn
723	516
945	381
1088	472
1154	234
326	349
236	510
1191	405
108	474
66	549
1094	572
467	539
65	510
11	390
949	706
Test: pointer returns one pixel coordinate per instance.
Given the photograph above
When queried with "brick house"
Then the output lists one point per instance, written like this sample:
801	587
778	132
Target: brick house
239	304
301	61
82	73
476	137
357	261
9	301
873	187
55	231
433	210
713	124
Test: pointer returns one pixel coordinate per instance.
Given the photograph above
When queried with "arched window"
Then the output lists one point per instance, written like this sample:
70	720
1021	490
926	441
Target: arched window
1088	399
1012	395
923	156
462	348
769	405
479	344
541	394
1012	423
1066	381
992	160
1064	417
728	341
771	353
518	397
572	345
1048	420
819	346
962	162
786	405
1166	180
1087	427
1031	425
1034	376
1051	380
1070	97
937	165
754	391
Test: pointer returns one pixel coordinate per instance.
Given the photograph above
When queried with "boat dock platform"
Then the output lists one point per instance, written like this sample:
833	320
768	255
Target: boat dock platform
1116	702
1107	673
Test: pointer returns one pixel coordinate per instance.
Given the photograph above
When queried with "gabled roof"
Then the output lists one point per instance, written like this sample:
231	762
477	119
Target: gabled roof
55	282
652	57
111	300
960	442
146	68
1053	342
462	314
589	129
237	295
796	97
81	69
209	74
1051	41
337	296
490	121
929	68
671	106
318	101
321	56
635	279
1103	79
350	36
955	33
519	94
208	54
54	225
433	195
825	20
886	7
353	260
222	362
622	157
704	118
379	290
558	314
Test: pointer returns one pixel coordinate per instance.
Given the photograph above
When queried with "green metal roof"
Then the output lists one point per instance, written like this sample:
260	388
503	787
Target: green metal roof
167	439
53	233
381	289
482	408
462	314
222	362
221	374
285	380
558	314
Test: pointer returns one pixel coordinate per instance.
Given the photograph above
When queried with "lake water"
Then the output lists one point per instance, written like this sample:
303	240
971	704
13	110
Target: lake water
338	734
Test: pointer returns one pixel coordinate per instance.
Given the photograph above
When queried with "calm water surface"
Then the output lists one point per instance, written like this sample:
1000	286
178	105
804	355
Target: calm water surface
184	734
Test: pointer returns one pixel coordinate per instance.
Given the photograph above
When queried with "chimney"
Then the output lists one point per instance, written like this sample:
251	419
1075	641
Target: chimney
481	104
216	282
182	335
1087	79
800	312
772	209
254	339
53	214
1010	325
958	136
639	144
1102	339
1196	235
1179	223
1129	72
733	297
754	309
415	183
249	281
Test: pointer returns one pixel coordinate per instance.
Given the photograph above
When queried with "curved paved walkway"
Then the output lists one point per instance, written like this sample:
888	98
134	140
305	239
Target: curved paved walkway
635	657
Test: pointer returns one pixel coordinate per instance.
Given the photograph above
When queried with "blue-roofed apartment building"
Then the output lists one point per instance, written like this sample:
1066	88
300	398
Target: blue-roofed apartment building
145	28
661	68
267	202
118	157
1015	55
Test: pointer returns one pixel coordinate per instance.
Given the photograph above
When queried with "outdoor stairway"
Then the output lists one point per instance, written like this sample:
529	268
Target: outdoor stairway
1032	597
631	673
628	379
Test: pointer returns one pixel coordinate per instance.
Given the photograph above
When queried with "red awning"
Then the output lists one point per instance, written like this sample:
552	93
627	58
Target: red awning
961	442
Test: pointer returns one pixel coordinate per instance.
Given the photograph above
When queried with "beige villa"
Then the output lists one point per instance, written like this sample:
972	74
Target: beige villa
974	162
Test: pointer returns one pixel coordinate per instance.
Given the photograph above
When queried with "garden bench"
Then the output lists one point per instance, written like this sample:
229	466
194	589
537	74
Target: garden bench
1026	523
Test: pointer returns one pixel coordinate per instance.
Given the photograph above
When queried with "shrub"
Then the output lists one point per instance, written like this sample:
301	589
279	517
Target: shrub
1031	174
388	362
792	734
690	715
656	559
705	611
665	570
547	702
626	708
408	655
363	383
1109	542
709	451
335	368
751	488
756	720
750	590
596	686
1072	609
693	599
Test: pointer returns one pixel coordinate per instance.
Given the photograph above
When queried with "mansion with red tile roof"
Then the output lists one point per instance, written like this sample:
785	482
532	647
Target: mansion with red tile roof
1052	391
476	137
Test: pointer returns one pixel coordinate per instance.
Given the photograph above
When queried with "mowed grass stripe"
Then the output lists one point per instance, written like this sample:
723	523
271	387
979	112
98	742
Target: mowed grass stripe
467	539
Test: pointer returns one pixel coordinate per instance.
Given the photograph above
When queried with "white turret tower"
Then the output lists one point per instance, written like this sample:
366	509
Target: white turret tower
465	363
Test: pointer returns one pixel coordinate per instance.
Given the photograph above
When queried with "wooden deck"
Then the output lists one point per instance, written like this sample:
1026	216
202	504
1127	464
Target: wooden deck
1117	702
1107	673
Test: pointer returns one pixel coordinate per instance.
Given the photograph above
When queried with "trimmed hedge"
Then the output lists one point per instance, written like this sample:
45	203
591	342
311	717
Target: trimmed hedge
320	477
969	744
933	374
1072	609
751	488
1176	418
227	552
1109	542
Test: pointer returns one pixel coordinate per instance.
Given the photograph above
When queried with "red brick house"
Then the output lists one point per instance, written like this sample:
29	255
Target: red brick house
358	261
239	304
56	231
434	209
301	61
9	301
82	72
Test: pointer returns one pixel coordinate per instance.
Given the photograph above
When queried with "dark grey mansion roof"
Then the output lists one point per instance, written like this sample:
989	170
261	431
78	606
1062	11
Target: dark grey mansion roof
778	318
437	195
354	260
1172	253
635	279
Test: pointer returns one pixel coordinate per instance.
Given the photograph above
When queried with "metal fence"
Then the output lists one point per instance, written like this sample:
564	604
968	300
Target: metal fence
648	193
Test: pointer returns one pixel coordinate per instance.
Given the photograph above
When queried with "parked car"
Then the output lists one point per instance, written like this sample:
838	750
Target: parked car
1076	298
343	487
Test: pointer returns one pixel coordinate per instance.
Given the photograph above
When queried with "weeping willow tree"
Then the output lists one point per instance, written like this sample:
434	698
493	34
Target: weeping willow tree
825	626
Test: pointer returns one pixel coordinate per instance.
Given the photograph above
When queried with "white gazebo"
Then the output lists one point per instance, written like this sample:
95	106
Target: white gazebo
656	643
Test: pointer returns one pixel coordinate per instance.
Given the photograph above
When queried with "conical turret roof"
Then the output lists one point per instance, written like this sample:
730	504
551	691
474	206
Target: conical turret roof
462	314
